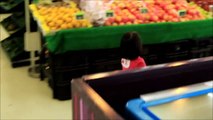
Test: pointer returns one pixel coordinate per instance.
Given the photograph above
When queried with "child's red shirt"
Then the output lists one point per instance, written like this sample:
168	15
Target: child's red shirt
132	64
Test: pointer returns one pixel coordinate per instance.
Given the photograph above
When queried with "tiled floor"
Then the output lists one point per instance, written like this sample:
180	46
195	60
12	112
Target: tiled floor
26	98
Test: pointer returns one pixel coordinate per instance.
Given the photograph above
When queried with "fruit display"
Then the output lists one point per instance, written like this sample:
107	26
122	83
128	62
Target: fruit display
204	3
54	16
206	14
59	16
153	11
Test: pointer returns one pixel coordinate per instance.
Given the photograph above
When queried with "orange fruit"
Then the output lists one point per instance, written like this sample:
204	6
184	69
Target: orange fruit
59	22
51	24
77	25
68	19
84	24
69	25
64	26
53	28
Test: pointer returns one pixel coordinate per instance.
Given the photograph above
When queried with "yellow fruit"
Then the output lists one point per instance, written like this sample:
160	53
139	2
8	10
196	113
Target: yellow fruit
89	25
33	7
46	29
41	19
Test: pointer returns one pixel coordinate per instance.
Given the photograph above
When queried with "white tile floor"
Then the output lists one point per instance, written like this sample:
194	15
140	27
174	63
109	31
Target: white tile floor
26	98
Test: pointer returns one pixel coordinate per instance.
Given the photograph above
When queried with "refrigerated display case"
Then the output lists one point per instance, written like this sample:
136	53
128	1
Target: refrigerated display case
115	89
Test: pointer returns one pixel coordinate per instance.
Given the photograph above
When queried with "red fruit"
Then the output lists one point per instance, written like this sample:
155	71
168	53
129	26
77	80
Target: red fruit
146	16
139	16
192	12
114	24
131	18
175	20
190	17
163	20
162	5
118	19
173	12
107	23
140	21
111	19
182	19
169	7
129	23
121	23
146	21
125	19
154	18
165	17
178	7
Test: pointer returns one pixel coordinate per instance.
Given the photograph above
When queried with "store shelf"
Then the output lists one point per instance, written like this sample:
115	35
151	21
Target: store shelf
14	24
14	48
8	6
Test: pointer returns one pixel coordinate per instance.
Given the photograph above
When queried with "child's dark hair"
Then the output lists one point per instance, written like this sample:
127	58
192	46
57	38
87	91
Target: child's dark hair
131	45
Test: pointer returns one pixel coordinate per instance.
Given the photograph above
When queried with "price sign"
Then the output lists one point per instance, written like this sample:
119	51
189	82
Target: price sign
182	13
79	16
109	13
144	10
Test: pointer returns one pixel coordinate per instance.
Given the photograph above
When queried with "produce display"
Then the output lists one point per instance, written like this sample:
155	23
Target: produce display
204	3
59	16
154	11
54	16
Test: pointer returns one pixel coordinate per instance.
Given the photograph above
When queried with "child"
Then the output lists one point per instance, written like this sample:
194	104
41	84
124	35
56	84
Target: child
131	48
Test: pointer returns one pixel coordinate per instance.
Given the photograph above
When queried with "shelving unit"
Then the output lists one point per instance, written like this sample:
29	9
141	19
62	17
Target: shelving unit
8	6
13	45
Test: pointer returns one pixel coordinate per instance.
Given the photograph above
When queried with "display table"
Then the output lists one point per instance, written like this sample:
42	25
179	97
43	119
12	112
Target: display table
109	37
77	52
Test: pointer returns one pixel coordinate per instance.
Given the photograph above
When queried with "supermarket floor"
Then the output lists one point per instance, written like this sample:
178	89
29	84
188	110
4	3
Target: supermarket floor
26	98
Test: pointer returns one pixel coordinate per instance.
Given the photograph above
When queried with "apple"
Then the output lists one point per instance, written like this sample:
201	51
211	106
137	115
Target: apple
174	19
125	19
118	19
111	19
129	23
135	22
128	12
121	23
140	21
107	23
139	16
154	18
114	24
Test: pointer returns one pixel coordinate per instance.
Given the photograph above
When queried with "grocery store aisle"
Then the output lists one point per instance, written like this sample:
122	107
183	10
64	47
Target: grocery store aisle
26	98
